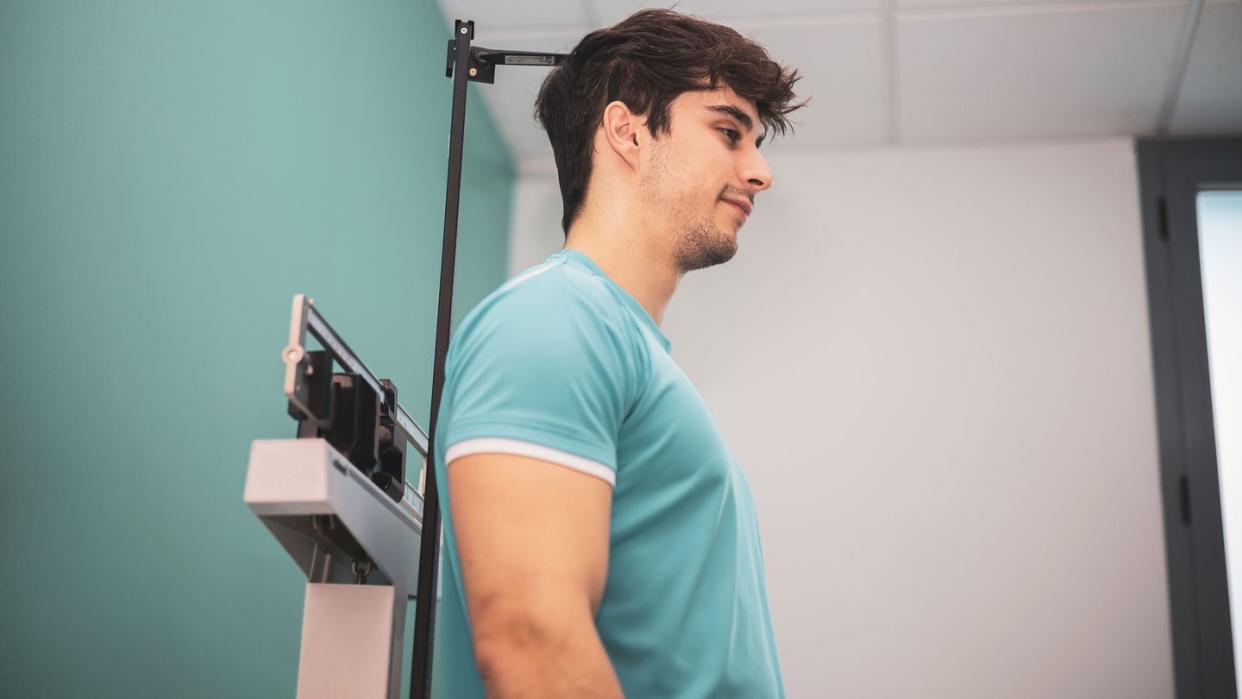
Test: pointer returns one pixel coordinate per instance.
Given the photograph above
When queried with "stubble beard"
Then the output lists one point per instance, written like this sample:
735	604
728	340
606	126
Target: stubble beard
701	244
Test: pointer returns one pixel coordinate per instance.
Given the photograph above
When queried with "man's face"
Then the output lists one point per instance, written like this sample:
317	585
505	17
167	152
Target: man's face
701	178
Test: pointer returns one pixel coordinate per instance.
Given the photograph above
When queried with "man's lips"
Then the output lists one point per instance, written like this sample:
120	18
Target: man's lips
742	204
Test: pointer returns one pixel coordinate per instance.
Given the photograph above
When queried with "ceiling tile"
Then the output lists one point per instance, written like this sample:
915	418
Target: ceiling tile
608	12
511	100
1211	95
1033	73
491	15
1001	4
843	74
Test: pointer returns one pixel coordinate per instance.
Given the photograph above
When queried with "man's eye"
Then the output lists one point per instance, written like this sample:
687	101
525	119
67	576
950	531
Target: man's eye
733	135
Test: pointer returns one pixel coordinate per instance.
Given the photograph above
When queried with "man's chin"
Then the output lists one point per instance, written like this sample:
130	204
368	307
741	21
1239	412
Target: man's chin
719	250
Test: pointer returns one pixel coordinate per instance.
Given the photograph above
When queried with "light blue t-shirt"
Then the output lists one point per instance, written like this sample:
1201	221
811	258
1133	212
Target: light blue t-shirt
562	364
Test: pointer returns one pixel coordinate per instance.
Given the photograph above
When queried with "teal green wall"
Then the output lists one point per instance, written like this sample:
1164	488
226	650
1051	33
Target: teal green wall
171	174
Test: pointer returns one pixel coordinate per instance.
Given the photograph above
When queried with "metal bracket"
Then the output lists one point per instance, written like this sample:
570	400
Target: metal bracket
482	62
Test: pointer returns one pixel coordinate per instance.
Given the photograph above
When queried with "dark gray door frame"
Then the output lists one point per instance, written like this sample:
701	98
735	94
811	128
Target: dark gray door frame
1172	171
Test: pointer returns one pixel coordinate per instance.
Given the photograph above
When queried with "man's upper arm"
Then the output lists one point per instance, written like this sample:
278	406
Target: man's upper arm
532	540
537	390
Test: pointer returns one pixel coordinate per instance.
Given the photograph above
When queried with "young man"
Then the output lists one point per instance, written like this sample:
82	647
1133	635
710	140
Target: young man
600	537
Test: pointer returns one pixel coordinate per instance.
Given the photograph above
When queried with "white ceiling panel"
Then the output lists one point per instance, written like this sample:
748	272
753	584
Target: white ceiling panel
489	14
1211	96
1002	4
843	67
609	12
1034	73
917	71
511	100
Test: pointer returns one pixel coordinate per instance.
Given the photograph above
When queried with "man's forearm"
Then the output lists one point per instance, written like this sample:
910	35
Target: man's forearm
527	660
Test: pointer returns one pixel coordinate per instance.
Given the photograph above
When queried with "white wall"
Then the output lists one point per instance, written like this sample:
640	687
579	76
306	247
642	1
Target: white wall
935	367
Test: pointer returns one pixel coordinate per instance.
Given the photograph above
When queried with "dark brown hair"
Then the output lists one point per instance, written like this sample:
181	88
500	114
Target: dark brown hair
646	61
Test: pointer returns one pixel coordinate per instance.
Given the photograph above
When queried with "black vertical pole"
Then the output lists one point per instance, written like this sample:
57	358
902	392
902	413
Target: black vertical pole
429	554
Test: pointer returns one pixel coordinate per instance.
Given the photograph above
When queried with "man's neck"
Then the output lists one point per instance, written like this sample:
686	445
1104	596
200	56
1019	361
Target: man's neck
642	271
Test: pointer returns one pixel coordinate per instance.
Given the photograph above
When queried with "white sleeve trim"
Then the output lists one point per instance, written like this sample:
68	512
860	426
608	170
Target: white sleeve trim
493	445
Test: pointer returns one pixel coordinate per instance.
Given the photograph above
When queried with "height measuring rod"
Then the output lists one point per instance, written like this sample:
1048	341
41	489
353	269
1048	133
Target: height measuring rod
465	63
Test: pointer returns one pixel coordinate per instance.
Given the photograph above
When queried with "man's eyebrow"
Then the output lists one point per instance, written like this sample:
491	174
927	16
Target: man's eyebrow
742	117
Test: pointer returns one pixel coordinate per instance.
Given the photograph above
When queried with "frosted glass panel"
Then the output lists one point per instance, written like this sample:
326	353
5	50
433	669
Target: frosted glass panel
1220	248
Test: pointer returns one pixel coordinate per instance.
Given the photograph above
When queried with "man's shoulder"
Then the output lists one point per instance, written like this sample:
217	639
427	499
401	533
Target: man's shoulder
553	286
555	317
553	292
557	279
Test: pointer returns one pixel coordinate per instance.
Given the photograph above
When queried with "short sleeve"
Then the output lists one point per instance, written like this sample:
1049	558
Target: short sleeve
546	371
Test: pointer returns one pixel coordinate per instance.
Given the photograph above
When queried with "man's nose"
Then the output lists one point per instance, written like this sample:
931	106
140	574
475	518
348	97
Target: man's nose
756	173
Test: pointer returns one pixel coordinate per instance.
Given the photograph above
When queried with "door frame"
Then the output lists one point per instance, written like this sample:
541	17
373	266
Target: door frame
1172	171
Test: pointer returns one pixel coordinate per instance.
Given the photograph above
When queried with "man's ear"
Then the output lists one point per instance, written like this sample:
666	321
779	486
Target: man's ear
622	131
